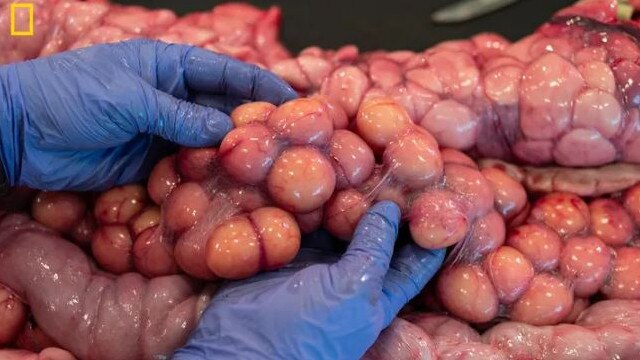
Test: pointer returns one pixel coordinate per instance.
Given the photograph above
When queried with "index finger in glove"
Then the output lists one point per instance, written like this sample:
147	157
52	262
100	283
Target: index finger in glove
184	123
367	258
410	270
219	74
224	103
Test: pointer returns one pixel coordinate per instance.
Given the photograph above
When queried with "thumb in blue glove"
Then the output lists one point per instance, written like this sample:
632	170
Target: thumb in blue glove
332	309
96	117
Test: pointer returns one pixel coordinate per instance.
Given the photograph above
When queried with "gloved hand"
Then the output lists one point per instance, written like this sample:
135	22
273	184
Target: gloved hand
91	118
320	307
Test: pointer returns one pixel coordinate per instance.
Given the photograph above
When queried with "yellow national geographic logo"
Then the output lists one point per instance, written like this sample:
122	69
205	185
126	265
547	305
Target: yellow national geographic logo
21	7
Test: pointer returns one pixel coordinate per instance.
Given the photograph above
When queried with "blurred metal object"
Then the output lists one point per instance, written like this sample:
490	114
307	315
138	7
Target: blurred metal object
465	10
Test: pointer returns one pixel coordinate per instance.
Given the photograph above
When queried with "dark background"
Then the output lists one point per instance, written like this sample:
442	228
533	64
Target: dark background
373	25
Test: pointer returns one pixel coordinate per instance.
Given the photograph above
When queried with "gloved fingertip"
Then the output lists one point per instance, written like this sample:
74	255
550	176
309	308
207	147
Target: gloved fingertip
438	255
224	103
286	92
419	262
372	244
410	270
273	89
289	94
386	210
184	123
204	127
216	126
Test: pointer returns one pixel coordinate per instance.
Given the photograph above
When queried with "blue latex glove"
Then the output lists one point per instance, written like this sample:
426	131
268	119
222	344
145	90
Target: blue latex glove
93	118
320	307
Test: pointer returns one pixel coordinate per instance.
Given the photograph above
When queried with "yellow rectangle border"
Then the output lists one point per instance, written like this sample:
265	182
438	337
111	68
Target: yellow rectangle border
13	8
